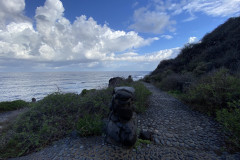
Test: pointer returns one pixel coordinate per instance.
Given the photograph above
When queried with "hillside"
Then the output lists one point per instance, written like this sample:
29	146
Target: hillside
220	48
206	76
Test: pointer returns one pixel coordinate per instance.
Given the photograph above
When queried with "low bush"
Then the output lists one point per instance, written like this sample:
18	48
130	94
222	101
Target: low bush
89	125
142	94
213	92
230	118
175	82
51	119
10	106
175	93
57	115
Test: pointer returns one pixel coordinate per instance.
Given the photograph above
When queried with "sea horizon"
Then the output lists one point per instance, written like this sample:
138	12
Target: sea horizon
28	85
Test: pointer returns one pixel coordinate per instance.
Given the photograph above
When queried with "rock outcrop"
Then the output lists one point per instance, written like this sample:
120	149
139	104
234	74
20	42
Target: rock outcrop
117	81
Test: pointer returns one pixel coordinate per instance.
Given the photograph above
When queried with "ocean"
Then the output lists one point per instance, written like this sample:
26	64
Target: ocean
25	86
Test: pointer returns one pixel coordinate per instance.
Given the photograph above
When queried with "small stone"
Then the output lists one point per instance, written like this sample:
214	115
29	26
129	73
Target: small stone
156	140
168	143
169	135
162	141
181	144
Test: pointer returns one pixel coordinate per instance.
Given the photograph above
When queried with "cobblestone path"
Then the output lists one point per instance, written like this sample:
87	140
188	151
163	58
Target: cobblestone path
179	133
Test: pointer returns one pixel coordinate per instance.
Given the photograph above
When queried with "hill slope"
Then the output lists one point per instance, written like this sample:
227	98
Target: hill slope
206	75
220	48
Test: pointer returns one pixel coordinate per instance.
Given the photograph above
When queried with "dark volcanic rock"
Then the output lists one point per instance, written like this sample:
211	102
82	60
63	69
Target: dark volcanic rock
34	100
113	82
145	135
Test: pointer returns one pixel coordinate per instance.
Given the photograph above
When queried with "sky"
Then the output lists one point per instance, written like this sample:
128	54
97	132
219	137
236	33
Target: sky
103	35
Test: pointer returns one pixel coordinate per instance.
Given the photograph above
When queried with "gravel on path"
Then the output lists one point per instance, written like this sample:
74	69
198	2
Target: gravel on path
178	133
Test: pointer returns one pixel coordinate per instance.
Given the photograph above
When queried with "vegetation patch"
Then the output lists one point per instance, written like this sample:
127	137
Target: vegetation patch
230	118
57	115
213	92
140	142
142	94
13	105
89	125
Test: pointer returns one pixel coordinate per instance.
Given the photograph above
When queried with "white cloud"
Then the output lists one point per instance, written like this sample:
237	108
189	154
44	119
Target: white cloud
222	8
150	57
167	36
192	40
152	21
11	10
158	16
57	42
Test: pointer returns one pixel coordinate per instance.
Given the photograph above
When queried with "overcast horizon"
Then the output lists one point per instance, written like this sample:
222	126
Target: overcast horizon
91	35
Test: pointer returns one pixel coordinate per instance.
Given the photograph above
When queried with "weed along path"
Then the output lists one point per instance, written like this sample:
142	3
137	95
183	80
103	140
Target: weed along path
178	133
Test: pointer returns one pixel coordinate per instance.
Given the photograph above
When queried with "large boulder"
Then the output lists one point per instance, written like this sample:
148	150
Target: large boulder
113	82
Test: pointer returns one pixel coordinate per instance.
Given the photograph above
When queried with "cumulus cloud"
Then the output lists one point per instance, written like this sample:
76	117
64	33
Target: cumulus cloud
11	10
57	41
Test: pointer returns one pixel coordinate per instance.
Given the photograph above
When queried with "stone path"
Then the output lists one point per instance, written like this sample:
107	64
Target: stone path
179	133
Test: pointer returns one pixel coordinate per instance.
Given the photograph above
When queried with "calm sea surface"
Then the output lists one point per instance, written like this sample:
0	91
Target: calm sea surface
25	86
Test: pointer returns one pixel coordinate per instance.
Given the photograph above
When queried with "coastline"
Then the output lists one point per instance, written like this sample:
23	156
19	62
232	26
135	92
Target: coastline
25	86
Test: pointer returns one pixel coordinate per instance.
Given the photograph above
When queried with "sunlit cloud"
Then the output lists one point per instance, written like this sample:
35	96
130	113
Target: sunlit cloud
57	41
192	40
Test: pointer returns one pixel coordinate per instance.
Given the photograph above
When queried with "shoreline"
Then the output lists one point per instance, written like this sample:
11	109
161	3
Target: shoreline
25	86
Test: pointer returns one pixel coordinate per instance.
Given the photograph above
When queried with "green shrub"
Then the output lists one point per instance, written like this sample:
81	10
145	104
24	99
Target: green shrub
142	94
147	79
89	125
214	91
175	93
56	115
85	91
10	106
230	118
50	119
139	142
175	82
